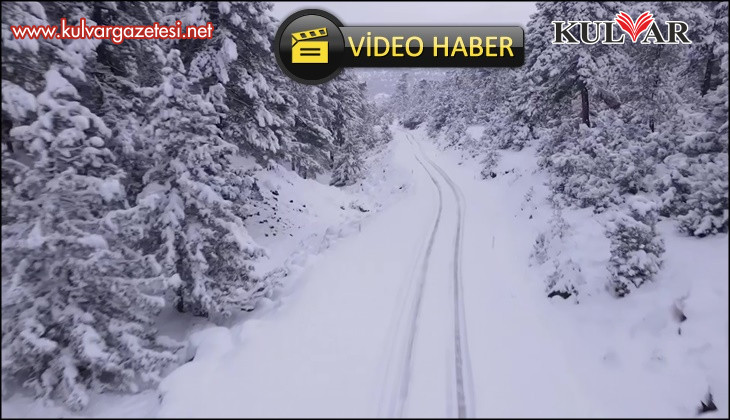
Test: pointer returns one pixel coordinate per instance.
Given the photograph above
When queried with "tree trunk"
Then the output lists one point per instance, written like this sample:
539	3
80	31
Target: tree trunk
179	305
584	111
708	75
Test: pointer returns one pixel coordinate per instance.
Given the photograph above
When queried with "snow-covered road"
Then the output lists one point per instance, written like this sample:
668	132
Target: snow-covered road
433	269
378	324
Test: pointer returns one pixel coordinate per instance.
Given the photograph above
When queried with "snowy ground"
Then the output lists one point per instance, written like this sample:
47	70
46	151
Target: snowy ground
630	357
426	305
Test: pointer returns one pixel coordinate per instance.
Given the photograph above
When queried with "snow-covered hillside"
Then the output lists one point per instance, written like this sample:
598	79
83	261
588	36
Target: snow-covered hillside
656	354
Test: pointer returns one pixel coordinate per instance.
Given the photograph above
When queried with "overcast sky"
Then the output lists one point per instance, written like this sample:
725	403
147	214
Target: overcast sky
416	13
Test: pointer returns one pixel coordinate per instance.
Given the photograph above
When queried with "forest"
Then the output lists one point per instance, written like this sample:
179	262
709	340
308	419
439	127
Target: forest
120	192
634	128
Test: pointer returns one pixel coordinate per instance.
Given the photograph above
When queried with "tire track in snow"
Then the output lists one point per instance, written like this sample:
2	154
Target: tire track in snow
400	394
462	360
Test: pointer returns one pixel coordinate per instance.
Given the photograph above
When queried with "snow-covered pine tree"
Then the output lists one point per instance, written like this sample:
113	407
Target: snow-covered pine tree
455	134
707	201
78	298
649	89
195	200
380	120
418	110
313	144
572	73
490	159
467	106
636	248
260	115
352	132
704	59
120	73
348	163
442	108
566	85
598	166
708	147
692	181
401	100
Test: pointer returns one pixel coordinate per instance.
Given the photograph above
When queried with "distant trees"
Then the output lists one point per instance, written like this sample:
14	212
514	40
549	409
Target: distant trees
119	191
612	123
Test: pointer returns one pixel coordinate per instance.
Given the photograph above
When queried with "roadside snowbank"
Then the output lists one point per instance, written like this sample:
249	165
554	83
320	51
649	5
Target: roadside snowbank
317	353
297	220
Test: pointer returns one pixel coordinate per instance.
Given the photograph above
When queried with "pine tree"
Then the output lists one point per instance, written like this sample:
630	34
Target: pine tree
636	248
194	201
348	164
352	131
121	73
418	110
442	111
313	144
401	99
693	182
79	298
456	134
260	113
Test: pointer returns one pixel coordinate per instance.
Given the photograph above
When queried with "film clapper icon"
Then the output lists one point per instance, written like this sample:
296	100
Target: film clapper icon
305	51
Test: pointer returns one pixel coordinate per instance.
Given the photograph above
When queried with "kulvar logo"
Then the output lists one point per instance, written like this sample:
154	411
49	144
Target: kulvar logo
591	32
634	28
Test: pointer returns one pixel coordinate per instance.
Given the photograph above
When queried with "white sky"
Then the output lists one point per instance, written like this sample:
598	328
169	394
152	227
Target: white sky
417	13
